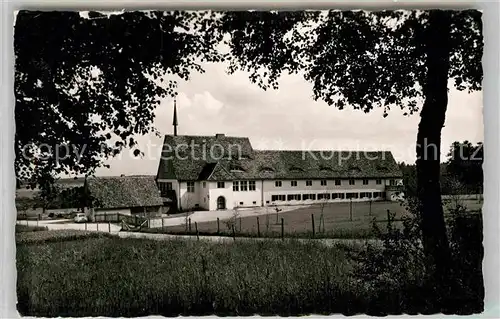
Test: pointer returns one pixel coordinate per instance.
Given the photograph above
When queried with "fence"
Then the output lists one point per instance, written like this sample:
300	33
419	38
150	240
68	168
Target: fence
342	220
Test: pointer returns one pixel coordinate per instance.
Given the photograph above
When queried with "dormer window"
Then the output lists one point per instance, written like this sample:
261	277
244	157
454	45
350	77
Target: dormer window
295	169
354	169
382	168
237	169
267	170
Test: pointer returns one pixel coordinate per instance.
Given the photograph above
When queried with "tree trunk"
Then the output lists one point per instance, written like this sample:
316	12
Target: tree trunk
437	48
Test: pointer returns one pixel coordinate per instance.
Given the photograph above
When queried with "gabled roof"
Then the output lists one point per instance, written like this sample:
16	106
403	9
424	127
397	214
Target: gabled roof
180	160
192	164
124	191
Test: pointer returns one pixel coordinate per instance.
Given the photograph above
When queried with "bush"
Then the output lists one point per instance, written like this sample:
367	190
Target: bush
399	274
56	236
24	228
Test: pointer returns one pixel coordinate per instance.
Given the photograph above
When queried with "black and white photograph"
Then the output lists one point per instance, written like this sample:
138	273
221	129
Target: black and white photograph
253	162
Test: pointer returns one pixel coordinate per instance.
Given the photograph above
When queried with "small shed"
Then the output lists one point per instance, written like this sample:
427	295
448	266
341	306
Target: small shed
110	197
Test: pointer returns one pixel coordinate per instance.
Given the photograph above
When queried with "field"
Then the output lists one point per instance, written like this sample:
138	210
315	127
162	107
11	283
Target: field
132	277
340	220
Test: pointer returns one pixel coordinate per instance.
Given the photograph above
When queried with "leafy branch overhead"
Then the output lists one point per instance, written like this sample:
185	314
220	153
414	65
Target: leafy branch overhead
358	58
91	83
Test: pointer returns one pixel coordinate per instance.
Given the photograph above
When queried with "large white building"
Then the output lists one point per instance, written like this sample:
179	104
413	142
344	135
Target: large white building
223	172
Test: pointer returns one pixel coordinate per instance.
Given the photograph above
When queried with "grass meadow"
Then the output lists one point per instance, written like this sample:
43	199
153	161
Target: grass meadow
135	277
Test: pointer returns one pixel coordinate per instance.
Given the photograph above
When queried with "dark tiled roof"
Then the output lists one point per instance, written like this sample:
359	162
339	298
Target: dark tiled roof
124	192
254	164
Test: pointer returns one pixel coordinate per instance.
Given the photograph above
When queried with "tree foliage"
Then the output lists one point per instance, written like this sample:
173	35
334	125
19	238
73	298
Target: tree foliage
360	59
465	162
86	85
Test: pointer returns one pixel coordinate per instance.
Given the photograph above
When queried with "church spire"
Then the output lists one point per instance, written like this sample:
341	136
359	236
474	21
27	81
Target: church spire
175	117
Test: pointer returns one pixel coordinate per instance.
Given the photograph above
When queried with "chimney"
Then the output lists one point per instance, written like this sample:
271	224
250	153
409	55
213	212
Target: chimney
219	135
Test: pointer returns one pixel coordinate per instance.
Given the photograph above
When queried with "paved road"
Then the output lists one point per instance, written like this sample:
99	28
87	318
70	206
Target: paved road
208	216
115	229
67	224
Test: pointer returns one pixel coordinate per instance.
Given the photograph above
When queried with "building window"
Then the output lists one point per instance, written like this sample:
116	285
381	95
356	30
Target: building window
351	182
392	182
204	184
219	185
323	196
378	181
254	203
190	187
241	203
164	187
294	197
267	202
365	182
323	182
308	196
341	196
365	195
275	198
338	182
352	195
293	183
309	183
277	184
244	186
251	185
236	186
335	195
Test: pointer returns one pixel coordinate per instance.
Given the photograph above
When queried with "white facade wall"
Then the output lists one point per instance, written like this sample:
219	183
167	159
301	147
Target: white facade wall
188	200
206	197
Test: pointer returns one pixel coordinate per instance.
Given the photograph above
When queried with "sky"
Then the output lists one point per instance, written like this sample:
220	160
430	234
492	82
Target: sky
290	119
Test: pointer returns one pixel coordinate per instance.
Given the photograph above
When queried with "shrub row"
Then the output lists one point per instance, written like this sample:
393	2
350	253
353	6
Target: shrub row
25	228
36	237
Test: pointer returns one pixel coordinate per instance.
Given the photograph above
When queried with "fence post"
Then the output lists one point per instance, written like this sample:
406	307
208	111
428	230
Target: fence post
218	226
196	228
312	219
258	227
85	225
189	224
97	225
370	212
282	228
109	227
234	234
350	209
27	220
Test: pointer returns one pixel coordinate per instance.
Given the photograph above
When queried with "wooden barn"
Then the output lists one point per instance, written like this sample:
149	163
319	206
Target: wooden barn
110	197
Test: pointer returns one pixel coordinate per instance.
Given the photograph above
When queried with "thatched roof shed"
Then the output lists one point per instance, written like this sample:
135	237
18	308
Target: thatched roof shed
124	192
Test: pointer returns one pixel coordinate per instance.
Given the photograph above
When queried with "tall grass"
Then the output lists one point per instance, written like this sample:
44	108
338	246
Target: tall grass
135	277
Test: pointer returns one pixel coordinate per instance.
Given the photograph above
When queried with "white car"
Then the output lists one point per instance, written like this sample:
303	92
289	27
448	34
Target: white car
80	218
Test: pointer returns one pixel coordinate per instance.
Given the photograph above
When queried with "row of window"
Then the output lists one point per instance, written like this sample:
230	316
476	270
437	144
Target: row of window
338	182
243	186
250	185
326	196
